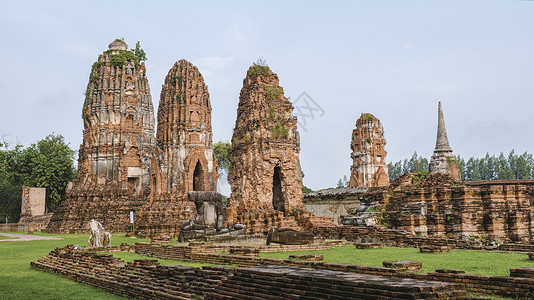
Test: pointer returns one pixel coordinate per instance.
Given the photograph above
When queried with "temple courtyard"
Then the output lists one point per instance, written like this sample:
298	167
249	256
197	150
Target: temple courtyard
341	261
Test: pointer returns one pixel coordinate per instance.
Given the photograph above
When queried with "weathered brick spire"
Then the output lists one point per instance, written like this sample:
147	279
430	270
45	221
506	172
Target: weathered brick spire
265	174
184	135
443	160
369	167
442	142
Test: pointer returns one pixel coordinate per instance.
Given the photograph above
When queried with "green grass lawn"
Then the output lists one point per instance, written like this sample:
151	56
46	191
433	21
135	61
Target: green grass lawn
471	261
19	281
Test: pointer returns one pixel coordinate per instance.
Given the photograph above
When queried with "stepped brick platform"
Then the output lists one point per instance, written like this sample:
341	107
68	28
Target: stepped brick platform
499	285
146	279
278	282
522	272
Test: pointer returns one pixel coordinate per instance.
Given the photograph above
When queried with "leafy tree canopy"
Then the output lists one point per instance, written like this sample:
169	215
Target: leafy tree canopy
222	153
502	167
47	163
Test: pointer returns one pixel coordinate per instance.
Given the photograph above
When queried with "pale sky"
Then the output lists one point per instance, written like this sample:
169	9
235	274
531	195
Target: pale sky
394	59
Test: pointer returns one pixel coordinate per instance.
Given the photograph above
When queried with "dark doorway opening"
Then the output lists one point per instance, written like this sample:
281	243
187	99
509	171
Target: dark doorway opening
198	184
278	196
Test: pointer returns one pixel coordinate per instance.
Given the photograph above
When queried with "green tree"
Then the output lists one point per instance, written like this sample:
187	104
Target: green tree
343	182
416	164
10	182
490	167
306	190
49	164
394	170
139	52
222	154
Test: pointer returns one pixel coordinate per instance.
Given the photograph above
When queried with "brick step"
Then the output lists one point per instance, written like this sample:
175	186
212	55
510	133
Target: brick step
312	290
248	293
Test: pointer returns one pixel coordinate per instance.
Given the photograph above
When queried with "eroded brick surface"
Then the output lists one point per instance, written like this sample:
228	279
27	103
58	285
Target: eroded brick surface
265	175
123	166
369	167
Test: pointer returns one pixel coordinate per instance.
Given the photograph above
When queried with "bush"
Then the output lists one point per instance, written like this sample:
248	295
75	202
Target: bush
256	70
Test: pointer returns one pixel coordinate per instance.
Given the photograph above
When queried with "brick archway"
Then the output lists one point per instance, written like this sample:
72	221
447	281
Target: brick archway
197	175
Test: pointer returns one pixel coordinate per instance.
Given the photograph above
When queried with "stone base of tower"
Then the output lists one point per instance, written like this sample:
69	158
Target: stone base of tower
260	220
164	217
112	210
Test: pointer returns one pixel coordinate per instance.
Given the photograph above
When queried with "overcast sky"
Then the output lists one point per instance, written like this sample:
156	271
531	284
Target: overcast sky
394	59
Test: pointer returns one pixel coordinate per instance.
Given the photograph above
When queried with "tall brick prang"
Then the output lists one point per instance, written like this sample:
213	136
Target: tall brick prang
265	174
369	167
118	141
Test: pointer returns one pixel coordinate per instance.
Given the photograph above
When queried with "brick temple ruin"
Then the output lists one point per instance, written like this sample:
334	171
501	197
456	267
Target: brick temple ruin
122	166
434	205
164	176
265	174
443	161
125	165
369	167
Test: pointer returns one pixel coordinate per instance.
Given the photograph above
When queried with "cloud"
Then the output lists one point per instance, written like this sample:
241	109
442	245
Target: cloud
408	46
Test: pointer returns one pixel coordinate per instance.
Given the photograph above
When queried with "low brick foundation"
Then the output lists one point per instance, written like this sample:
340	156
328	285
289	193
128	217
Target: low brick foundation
146	279
499	285
388	237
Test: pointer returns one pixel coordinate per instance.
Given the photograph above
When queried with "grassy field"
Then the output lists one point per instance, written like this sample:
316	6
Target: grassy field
19	281
471	261
3	237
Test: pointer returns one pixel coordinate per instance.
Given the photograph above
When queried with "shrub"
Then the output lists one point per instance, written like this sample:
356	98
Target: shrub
256	70
272	92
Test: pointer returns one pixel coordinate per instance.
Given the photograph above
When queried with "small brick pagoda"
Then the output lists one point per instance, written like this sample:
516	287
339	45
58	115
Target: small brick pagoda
368	144
443	160
265	174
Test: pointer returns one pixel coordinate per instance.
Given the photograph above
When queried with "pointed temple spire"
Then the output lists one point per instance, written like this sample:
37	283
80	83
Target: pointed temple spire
442	142
443	160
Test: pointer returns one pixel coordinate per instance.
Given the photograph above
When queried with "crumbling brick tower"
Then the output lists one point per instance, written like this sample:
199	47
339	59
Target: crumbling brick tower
118	140
265	174
443	160
184	159
184	136
369	167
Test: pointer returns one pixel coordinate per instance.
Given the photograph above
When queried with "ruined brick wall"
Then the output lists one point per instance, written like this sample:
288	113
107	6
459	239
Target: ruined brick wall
437	205
265	174
33	204
500	211
146	279
369	167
